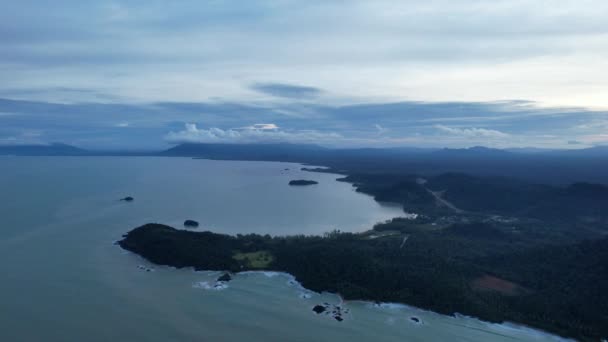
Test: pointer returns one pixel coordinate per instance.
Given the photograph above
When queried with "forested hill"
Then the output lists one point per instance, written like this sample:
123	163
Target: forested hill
454	193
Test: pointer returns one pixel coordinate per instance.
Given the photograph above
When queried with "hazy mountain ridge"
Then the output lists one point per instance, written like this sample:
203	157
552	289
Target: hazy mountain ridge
54	149
546	167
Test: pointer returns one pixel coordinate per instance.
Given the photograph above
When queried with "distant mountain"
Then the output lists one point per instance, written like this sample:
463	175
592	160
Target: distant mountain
271	152
472	152
592	152
55	149
529	150
546	167
384	151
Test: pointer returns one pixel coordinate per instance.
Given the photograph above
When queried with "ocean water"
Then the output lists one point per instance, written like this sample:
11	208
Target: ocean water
63	279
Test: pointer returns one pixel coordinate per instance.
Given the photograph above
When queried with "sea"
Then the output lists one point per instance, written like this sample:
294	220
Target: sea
62	278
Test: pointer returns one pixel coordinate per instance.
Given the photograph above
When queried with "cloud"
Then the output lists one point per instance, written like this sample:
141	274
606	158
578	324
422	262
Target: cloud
263	127
287	90
192	134
24	137
122	124
380	129
59	94
601	124
385	50
94	125
595	139
473	132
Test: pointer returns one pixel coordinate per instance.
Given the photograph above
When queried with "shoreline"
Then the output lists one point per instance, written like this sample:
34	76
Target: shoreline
207	251
447	308
369	305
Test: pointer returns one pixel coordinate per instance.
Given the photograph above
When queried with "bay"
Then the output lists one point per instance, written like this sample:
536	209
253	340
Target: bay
65	280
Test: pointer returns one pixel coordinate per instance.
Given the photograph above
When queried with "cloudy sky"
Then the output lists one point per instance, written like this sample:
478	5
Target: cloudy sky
147	74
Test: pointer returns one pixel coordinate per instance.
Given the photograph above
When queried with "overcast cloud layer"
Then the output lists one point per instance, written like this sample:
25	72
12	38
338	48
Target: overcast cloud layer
156	125
143	74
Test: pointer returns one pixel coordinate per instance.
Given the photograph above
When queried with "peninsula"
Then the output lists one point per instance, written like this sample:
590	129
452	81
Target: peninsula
444	270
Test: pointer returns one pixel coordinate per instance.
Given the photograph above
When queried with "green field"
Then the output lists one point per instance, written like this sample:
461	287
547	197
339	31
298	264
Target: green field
259	259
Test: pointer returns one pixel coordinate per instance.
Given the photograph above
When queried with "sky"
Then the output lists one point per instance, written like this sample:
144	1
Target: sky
446	73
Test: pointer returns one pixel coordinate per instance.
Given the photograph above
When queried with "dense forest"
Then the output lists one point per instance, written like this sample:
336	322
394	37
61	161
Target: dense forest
579	204
558	288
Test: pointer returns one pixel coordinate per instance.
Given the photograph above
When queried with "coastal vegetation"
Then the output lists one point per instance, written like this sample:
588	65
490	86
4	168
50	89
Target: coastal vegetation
499	276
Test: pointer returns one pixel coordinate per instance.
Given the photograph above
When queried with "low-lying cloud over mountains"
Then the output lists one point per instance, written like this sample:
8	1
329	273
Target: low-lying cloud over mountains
155	125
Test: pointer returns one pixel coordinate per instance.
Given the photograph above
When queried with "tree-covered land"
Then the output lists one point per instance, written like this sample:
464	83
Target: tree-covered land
457	268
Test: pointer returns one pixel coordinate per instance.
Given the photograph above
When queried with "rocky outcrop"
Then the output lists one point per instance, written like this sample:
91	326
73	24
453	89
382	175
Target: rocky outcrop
225	277
301	182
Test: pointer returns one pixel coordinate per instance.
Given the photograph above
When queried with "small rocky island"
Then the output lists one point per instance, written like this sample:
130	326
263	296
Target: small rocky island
225	277
302	182
335	311
190	223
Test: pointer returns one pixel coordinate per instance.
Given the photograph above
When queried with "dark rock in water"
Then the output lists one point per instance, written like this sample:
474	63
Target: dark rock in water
339	318
302	182
414	319
318	309
127	199
287	169
225	277
190	223
144	268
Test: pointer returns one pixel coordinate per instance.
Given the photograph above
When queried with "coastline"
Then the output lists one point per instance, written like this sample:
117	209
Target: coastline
490	319
270	273
370	305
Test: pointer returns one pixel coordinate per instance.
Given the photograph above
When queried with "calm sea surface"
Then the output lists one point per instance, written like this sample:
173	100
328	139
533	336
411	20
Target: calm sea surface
62	279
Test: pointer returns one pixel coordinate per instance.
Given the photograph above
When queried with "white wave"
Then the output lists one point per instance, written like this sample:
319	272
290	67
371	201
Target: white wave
205	285
305	295
271	274
202	285
145	268
507	327
510	328
390	306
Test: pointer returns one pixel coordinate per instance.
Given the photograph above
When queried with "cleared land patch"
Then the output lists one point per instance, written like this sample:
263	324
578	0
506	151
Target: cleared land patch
259	259
491	283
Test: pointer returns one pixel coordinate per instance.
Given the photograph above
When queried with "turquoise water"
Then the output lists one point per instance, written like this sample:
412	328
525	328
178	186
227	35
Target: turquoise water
64	280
